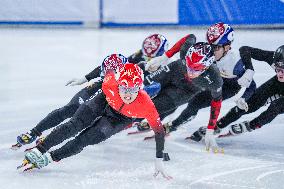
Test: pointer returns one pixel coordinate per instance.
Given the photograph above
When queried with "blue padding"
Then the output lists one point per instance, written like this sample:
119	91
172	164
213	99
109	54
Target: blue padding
153	89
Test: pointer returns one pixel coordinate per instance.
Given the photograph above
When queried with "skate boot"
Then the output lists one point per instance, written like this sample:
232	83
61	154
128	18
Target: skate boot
24	139
240	128
38	141
35	159
143	126
198	135
169	127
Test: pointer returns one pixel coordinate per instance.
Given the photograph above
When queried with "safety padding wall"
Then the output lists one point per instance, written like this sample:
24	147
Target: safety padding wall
193	12
50	12
131	13
238	12
140	12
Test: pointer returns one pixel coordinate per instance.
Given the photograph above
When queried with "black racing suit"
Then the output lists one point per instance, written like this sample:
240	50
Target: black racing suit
107	121
85	94
269	89
231	70
178	89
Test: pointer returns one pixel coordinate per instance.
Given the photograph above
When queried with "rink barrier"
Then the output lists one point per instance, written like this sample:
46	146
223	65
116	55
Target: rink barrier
242	13
66	23
170	13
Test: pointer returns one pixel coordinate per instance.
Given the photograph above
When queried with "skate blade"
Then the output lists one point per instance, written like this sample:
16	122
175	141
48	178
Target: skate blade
27	165
225	135
192	140
16	146
25	162
153	137
219	151
29	149
216	150
138	132
31	167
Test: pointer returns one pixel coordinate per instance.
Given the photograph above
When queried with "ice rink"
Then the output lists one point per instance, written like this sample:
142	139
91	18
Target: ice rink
35	64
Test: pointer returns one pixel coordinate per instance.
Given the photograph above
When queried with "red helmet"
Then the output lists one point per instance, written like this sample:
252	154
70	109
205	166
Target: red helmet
199	57
130	75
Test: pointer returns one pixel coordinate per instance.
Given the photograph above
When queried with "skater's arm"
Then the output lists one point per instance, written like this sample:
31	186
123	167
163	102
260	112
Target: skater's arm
136	57
247	53
214	113
154	121
93	74
249	91
176	48
216	93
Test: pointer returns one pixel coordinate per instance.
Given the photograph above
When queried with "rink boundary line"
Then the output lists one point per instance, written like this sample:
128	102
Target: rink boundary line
261	176
210	177
232	185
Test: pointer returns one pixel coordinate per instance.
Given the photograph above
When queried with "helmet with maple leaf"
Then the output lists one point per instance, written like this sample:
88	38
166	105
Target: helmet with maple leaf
199	57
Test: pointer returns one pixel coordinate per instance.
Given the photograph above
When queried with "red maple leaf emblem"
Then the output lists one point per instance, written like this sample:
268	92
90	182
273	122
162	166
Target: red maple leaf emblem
193	63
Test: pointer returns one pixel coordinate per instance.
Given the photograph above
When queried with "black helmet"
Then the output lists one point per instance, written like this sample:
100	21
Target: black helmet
278	57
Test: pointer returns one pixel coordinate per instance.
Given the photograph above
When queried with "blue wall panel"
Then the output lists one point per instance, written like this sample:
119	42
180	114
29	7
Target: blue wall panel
206	12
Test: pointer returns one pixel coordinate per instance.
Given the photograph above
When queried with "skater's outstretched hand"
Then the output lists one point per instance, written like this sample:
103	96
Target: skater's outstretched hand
246	79
210	142
76	81
155	63
159	168
241	103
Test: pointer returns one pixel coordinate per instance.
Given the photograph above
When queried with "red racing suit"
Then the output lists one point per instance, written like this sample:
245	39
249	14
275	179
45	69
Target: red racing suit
141	107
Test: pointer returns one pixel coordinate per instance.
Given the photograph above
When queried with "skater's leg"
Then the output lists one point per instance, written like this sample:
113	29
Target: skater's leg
83	117
57	116
274	109
102	130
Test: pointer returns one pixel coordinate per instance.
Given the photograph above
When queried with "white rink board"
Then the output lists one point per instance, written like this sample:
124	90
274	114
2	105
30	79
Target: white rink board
137	12
87	11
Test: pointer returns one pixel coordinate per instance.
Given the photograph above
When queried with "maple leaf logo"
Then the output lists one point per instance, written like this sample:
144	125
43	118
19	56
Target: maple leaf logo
194	61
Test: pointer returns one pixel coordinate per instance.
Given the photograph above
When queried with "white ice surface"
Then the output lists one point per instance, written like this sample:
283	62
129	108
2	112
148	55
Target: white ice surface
36	64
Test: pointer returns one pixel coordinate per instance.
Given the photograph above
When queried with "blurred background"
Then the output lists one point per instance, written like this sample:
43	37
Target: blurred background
131	13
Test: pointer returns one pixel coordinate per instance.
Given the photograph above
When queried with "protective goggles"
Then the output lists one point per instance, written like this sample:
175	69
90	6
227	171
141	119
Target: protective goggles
130	90
279	70
216	47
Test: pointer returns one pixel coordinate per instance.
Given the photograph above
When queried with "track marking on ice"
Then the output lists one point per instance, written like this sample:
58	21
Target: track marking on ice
268	174
210	177
232	185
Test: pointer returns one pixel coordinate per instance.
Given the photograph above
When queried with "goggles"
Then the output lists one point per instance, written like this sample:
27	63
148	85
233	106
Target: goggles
216	47
279	70
130	90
